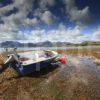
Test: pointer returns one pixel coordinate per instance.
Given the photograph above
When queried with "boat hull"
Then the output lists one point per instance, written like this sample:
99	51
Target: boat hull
26	69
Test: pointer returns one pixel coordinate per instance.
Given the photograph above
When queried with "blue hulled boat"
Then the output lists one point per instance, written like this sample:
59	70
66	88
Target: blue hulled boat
28	62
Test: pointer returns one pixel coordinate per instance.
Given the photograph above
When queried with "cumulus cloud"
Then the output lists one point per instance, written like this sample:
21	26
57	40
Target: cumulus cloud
96	35
7	33
8	30
68	34
42	13
5	9
48	17
33	21
43	4
24	7
75	14
15	19
63	34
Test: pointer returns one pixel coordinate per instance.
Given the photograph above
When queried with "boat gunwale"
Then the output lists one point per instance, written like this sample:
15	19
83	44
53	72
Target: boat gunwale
39	61
55	54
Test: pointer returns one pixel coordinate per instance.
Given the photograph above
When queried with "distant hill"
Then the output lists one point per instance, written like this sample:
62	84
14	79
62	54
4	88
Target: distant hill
18	44
90	43
46	44
10	44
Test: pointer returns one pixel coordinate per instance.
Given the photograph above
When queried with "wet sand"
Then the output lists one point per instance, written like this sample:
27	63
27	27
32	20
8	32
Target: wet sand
79	79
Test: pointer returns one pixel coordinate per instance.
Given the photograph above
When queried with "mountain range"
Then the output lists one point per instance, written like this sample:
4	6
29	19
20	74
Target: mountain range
45	44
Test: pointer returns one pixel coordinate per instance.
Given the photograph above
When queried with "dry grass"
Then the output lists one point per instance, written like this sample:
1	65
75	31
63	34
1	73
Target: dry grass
93	52
3	56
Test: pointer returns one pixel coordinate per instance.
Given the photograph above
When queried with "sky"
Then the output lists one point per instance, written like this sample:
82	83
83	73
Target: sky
50	20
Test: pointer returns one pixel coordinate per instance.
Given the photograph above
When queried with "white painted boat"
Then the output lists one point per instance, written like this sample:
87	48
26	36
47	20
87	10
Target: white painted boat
29	62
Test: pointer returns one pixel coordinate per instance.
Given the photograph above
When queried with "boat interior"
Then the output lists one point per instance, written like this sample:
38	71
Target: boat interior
36	56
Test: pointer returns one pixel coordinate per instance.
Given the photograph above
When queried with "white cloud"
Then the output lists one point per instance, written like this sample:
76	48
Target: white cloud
38	12
11	23
5	9
79	16
45	3
61	27
33	21
68	35
74	35
45	16
7	33
48	17
23	6
96	35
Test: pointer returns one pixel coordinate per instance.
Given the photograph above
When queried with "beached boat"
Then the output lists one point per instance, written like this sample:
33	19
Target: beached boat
28	62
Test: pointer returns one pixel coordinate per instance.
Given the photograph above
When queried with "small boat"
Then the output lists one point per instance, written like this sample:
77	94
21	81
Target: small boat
28	62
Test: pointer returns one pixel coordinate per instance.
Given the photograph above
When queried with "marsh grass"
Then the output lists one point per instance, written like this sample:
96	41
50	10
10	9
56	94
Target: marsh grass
92	52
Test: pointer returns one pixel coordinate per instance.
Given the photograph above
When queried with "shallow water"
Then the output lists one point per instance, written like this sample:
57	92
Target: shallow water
53	48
